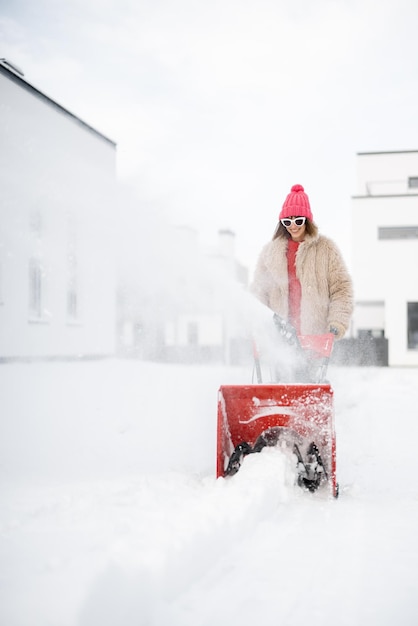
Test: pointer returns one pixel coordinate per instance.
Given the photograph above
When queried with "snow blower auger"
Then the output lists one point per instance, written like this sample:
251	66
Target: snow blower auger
299	415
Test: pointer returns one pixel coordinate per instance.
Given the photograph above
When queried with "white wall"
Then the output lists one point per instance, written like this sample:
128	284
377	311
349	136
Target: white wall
54	169
385	270
384	173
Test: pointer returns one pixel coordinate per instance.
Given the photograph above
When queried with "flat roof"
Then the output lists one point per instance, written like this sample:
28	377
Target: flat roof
388	195
387	152
17	78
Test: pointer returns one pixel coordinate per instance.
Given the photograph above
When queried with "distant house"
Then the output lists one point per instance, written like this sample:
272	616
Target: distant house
385	252
204	327
57	269
183	307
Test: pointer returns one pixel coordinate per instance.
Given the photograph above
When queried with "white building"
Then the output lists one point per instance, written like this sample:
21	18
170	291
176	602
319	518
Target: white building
206	326
182	306
385	251
57	271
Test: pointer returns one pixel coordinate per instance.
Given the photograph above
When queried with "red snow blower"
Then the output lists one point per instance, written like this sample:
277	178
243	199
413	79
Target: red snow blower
297	414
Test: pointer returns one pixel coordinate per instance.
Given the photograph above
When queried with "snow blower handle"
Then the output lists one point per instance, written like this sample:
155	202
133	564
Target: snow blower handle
286	330
257	364
314	351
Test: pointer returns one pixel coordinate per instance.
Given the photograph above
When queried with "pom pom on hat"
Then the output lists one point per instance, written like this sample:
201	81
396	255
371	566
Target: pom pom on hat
297	204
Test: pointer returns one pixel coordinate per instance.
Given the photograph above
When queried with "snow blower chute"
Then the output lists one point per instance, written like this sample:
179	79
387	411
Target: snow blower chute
299	415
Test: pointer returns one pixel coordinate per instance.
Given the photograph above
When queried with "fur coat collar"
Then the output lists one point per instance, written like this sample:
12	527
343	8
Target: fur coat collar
327	294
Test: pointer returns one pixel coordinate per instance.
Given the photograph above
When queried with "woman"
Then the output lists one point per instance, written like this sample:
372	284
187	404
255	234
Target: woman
301	275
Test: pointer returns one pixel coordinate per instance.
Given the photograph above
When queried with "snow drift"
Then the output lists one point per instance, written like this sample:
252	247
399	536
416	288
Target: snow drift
111	513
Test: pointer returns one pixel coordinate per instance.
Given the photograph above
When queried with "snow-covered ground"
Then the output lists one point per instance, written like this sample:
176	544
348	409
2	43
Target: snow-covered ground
110	513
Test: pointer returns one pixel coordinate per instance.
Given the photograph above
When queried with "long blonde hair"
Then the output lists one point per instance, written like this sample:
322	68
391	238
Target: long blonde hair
281	231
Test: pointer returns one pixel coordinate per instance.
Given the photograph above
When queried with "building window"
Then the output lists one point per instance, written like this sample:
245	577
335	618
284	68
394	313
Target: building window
192	334
412	325
36	269
73	300
398	232
72	289
413	182
35	288
72	304
35	224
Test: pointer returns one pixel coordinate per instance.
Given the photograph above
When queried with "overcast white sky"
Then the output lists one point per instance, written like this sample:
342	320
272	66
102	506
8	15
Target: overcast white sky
219	106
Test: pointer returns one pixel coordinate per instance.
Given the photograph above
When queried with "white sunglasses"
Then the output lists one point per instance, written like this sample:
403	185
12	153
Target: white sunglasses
299	221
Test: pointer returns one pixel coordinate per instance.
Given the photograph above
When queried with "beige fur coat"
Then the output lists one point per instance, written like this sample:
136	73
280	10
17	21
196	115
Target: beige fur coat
327	293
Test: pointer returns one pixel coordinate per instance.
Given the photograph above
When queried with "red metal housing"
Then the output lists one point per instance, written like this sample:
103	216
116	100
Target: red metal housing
304	410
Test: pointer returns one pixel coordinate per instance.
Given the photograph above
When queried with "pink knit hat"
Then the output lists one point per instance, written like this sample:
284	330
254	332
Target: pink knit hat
297	204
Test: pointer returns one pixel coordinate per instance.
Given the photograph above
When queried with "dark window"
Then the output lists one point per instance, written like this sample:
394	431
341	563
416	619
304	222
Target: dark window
398	232
413	182
412	325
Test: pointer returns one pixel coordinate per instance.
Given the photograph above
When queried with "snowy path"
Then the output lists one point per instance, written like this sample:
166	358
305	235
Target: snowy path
107	518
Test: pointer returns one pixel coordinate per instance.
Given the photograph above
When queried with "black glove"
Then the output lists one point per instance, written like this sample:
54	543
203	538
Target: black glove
337	329
286	330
